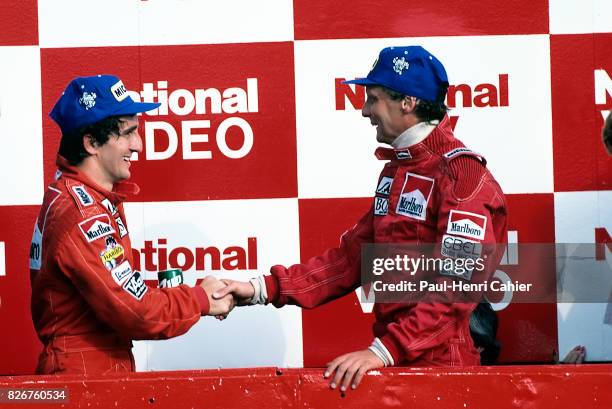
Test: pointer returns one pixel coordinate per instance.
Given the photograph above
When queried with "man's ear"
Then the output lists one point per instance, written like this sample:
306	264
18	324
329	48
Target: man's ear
90	144
409	104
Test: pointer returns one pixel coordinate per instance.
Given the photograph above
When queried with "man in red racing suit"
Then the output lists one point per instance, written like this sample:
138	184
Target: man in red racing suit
87	301
432	190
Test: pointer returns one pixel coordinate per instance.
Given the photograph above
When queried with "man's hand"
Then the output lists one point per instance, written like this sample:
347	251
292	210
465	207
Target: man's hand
575	356
220	305
241	291
349	366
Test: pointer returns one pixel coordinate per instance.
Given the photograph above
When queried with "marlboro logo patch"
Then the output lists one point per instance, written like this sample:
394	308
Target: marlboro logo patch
467	224
415	196
96	227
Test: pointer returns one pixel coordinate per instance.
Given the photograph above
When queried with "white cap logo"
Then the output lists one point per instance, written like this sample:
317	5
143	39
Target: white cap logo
400	64
88	100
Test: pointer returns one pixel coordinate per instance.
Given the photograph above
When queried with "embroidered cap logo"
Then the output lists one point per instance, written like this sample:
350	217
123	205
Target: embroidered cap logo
88	100
400	64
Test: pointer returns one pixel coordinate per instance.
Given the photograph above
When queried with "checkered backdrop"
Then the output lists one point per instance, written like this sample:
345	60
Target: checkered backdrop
259	155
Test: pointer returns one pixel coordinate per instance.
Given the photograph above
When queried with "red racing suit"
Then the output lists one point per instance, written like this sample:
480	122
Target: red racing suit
87	302
435	191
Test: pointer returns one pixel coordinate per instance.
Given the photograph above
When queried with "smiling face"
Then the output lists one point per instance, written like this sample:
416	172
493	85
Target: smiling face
390	116
112	160
384	113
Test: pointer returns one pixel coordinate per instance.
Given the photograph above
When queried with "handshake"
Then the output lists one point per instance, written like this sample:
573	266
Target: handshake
346	371
224	295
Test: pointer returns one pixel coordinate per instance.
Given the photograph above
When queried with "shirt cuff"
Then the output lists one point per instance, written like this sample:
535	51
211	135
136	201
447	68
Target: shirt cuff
202	298
393	348
260	294
272	289
379	349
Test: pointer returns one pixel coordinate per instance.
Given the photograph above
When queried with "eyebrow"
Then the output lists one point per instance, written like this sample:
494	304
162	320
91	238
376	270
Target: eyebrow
129	130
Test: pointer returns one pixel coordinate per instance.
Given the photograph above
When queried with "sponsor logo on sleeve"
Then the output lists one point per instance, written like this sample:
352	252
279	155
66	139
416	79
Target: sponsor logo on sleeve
459	247
112	254
467	224
452	271
109	206
463	257
455	152
122	230
415	196
384	186
121	272
83	196
96	227
36	249
171	282
381	206
136	286
49	199
460	151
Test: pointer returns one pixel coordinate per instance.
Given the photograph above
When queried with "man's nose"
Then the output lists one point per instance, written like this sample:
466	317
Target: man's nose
136	142
365	111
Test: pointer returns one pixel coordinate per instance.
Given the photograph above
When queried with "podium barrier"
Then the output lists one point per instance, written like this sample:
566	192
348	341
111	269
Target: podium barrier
561	386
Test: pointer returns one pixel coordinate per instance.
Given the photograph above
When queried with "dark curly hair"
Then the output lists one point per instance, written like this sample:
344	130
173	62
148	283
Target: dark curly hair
426	111
607	133
483	329
71	145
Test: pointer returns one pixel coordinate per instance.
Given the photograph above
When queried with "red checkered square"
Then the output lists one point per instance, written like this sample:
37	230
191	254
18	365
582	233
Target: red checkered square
321	19
220	133
21	345
528	332
19	22
581	72
340	326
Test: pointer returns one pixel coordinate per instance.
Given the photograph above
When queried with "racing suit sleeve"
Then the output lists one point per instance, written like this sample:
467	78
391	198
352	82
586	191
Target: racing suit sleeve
436	318
120	298
323	278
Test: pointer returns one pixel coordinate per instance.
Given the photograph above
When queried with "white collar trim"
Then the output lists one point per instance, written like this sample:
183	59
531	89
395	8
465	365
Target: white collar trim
415	134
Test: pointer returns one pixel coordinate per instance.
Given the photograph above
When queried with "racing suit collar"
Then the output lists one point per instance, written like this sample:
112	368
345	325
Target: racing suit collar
121	190
412	145
414	135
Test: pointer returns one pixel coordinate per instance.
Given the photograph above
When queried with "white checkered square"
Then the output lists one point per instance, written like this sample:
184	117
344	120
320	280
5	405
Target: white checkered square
235	239
20	126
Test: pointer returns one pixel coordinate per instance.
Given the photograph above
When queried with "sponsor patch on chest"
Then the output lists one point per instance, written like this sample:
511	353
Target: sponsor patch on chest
109	206
467	224
96	227
381	206
403	154
122	229
384	186
414	197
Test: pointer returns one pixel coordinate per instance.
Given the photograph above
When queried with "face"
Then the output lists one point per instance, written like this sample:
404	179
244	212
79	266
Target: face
384	113
114	156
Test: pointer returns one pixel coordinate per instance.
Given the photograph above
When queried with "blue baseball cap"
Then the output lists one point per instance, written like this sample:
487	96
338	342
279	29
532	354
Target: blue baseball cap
88	100
411	70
